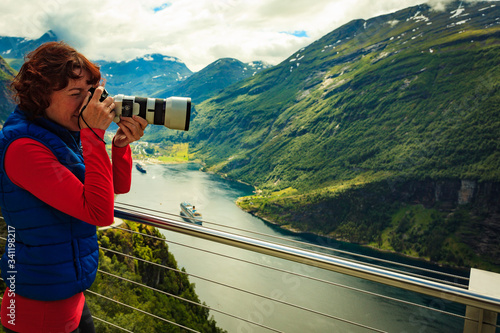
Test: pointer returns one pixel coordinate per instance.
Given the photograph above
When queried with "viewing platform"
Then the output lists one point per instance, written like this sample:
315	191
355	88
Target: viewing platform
474	302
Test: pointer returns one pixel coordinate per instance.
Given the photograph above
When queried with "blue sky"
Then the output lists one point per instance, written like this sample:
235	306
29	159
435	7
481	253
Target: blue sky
297	33
161	7
196	31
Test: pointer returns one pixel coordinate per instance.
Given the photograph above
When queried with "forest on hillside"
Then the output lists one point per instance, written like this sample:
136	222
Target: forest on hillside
130	258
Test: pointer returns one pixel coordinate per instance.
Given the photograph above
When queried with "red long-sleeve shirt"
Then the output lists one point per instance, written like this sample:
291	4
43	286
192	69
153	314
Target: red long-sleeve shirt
33	167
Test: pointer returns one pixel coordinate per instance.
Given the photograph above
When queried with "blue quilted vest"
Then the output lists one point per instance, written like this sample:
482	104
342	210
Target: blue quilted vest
56	255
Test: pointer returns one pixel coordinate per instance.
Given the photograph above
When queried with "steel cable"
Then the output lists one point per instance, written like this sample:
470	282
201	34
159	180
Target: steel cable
141	311
293	273
255	294
245	291
186	300
456	277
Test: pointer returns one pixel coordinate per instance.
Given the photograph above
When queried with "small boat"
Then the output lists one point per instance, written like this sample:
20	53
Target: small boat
190	214
140	168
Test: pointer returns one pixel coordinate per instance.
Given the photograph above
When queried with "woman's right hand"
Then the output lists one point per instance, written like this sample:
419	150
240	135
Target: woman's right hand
97	114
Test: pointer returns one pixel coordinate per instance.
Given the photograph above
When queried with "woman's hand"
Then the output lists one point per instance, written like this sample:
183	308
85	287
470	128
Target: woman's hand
131	129
97	114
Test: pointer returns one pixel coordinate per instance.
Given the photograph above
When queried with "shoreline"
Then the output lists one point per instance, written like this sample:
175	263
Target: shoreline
154	160
366	246
298	232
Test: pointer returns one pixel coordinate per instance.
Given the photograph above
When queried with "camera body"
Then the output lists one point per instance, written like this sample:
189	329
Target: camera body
172	112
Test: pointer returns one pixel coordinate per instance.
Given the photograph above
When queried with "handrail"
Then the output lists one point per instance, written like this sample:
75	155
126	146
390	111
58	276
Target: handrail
335	250
331	283
338	265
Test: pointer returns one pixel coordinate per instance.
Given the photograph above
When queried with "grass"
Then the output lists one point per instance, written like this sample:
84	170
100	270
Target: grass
420	220
154	152
178	153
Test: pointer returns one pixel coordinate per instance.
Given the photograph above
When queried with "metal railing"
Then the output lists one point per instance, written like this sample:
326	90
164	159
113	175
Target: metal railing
435	288
419	285
452	292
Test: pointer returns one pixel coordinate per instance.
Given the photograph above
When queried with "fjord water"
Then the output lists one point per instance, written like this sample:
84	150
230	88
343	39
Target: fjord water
163	187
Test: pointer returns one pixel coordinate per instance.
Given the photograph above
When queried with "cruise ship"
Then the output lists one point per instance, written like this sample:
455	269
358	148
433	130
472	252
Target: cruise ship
190	214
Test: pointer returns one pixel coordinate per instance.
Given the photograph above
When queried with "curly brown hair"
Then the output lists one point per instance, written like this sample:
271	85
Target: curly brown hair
49	68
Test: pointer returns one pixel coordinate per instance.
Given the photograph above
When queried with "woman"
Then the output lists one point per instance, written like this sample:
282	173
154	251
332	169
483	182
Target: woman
56	185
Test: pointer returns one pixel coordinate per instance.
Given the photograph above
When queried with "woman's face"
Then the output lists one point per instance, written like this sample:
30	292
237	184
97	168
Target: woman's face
65	104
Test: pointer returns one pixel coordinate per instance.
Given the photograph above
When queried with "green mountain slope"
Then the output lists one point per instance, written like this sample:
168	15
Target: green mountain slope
340	129
146	243
201	86
392	93
213	78
6	103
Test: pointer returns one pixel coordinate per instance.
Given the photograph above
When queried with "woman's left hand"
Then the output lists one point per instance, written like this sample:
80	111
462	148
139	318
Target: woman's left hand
131	129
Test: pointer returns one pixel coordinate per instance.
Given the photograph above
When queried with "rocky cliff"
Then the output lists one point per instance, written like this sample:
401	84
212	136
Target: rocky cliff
448	194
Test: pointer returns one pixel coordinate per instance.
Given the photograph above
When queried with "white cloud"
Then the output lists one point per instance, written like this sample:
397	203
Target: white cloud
196	31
